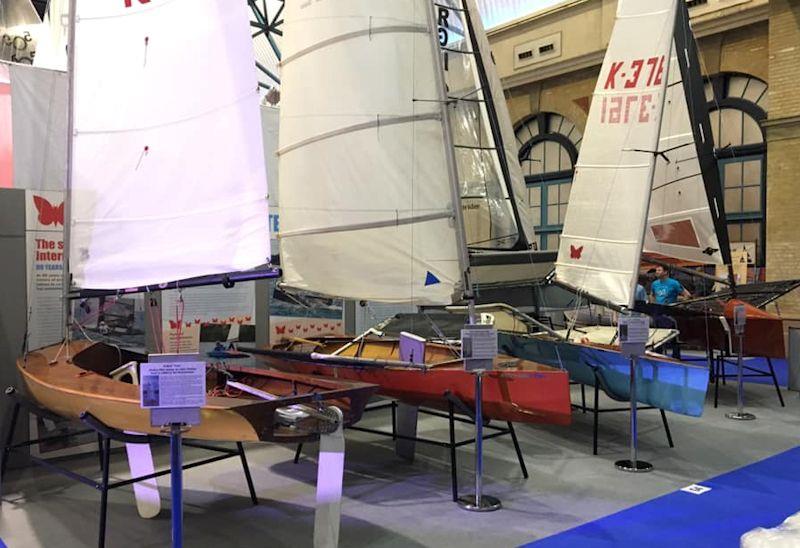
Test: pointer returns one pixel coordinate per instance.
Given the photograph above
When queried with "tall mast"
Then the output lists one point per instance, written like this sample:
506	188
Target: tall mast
452	170
689	63
68	183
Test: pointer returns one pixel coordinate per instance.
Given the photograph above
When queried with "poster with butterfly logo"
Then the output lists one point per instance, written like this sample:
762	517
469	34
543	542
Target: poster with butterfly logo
300	314
209	314
44	240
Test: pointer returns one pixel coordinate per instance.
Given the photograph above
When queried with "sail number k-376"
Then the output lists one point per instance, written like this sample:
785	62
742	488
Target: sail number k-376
626	76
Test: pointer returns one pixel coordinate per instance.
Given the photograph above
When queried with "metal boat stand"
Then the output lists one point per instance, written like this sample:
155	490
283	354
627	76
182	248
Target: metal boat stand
723	358
105	435
596	410
455	407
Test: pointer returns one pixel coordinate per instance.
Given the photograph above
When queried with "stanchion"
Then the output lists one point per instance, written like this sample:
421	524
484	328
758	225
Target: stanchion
479	502
740	414
633	464
176	477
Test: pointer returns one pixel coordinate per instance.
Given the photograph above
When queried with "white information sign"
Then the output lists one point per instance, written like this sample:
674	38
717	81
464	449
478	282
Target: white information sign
171	385
478	346
739	318
634	332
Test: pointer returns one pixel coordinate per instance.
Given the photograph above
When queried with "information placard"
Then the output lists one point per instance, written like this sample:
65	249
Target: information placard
478	346
172	385
634	332
739	318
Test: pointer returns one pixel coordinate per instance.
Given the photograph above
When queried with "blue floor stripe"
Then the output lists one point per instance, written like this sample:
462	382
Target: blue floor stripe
758	495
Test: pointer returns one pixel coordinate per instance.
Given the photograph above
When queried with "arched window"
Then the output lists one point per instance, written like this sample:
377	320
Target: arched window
548	150
737	105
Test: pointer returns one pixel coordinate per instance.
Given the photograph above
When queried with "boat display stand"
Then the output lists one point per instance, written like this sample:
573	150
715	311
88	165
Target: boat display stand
457	412
596	410
105	435
719	373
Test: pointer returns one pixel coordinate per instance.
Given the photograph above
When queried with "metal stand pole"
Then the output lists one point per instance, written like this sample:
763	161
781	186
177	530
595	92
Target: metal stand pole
740	414
176	475
479	502
633	464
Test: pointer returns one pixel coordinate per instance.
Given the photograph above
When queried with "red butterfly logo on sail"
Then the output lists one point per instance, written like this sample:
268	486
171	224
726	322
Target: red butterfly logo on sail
174	324
214	320
280	329
48	213
291	330
248	318
575	252
197	320
324	325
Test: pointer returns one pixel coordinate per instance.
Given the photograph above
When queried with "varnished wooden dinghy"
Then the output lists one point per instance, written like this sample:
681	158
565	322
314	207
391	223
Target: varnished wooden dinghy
68	388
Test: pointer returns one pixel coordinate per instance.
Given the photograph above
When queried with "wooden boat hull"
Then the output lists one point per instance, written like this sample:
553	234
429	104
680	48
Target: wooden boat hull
763	336
662	382
534	394
69	389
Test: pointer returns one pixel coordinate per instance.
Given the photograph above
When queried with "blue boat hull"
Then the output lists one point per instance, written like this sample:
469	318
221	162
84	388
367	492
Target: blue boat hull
665	384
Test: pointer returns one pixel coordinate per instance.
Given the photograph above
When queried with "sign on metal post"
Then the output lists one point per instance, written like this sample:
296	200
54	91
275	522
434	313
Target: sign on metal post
478	346
633	333
739	321
173	387
739	318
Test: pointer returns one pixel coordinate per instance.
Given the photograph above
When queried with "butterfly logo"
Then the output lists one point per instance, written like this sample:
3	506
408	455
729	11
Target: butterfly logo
319	329
214	320
188	324
197	320
48	213
248	318
575	252
280	329
174	324
291	330
324	325
312	326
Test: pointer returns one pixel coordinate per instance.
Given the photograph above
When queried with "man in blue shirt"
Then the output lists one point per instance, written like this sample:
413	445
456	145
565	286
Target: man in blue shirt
667	291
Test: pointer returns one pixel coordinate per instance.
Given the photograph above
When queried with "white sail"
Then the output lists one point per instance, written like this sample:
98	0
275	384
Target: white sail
605	223
517	186
365	197
168	178
39	112
680	224
51	47
487	164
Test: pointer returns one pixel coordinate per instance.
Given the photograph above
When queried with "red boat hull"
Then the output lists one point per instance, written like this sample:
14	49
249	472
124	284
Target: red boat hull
763	335
517	396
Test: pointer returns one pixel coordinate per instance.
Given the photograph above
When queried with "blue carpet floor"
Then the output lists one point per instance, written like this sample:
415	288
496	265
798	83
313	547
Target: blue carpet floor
759	495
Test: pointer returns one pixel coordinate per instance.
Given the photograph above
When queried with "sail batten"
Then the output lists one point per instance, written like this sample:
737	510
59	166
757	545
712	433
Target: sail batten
168	179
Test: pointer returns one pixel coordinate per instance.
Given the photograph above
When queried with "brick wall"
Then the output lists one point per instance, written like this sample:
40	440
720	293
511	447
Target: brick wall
783	145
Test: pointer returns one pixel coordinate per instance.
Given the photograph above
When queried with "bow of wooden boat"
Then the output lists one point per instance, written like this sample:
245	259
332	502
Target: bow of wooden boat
80	384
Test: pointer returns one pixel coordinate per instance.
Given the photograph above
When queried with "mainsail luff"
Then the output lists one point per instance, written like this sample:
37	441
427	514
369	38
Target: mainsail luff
600	249
701	127
686	217
452	166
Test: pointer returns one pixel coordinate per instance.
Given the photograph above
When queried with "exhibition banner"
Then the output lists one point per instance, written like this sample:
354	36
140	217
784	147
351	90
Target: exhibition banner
44	239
